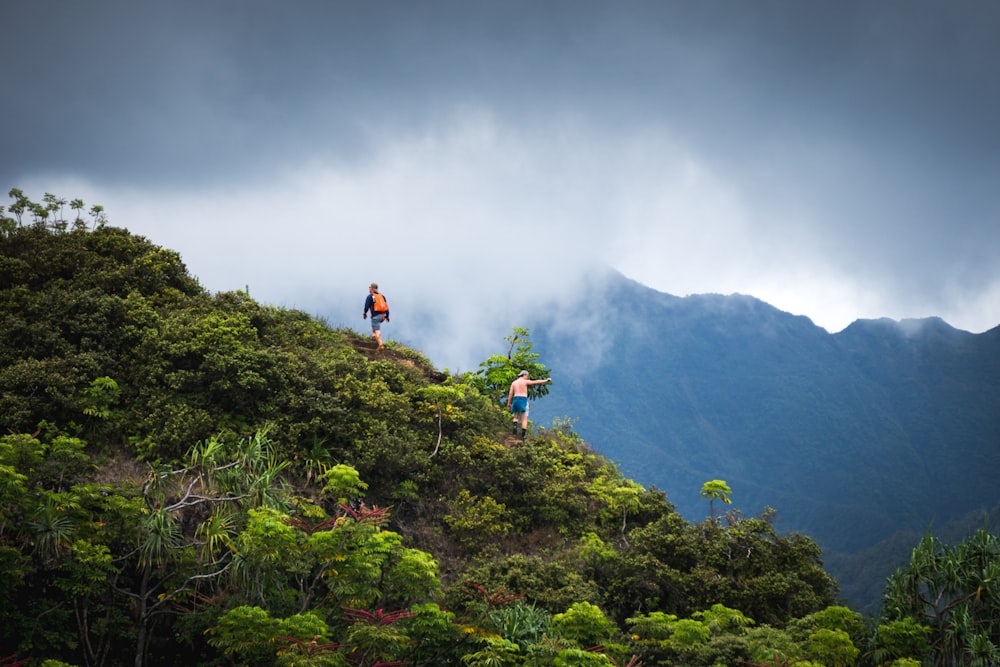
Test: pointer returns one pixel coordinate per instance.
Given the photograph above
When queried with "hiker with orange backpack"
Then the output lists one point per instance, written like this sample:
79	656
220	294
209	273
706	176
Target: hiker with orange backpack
376	303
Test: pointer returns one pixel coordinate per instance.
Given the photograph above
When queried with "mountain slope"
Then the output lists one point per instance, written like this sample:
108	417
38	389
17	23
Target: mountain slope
853	436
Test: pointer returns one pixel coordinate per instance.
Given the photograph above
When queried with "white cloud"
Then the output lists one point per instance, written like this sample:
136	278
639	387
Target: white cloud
469	225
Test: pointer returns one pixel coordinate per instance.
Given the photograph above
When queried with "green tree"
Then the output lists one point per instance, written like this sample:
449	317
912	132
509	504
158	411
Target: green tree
574	657
169	564
716	489
77	205
20	205
7	225
437	638
477	520
719	618
377	638
343	483
903	638
954	591
56	565
708	637
495	652
496	373
583	623
443	401
743	564
97	214
832	648
53	208
245	633
774	647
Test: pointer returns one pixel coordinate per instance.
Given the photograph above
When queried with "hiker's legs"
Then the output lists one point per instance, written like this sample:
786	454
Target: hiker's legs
377	329
519	406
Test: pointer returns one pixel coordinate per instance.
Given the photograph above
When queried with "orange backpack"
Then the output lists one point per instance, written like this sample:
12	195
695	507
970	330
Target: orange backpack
378	303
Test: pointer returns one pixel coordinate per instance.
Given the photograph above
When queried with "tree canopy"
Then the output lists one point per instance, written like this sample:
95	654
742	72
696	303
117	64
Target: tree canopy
208	480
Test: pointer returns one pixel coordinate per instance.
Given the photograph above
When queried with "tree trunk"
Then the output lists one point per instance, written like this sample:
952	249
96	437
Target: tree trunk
143	630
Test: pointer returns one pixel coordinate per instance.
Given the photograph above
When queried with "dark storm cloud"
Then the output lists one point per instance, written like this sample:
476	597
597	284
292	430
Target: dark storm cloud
160	86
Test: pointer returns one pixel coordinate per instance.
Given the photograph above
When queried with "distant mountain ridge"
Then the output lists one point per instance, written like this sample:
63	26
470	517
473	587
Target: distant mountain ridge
854	436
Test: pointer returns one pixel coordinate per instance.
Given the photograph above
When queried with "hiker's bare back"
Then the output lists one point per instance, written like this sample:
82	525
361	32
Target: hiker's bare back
519	387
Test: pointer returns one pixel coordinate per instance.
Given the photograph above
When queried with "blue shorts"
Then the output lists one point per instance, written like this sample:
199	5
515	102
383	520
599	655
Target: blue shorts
377	321
519	404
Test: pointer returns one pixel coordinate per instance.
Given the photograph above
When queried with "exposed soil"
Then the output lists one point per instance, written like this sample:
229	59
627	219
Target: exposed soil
367	346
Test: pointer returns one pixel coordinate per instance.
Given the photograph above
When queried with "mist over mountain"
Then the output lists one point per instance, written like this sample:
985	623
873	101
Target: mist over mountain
853	437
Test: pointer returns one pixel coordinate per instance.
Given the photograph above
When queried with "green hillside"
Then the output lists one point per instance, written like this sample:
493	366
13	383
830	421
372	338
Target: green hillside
190	478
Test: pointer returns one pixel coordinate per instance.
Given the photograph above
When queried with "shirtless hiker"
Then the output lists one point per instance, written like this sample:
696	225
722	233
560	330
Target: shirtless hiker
517	400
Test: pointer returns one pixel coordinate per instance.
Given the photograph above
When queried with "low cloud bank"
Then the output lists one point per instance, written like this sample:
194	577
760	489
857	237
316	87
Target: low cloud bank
471	227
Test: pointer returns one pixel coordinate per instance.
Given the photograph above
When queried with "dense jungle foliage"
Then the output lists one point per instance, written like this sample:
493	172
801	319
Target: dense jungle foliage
199	479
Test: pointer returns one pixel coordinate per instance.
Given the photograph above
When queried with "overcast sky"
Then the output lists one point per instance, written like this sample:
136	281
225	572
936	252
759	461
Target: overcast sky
839	160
